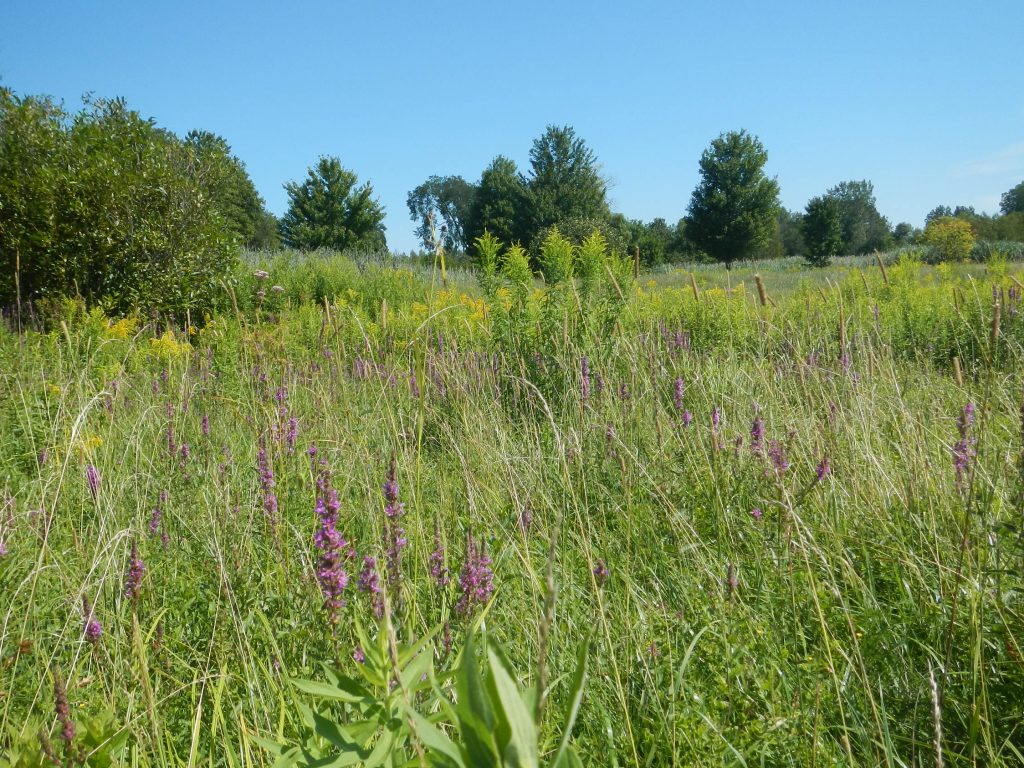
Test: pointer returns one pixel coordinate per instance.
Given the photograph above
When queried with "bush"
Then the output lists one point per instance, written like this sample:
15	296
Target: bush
952	239
106	206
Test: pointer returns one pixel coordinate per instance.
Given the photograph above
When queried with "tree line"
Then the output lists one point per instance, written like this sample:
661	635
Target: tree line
107	206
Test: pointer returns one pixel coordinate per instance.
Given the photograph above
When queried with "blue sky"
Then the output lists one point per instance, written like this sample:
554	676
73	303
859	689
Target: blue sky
922	98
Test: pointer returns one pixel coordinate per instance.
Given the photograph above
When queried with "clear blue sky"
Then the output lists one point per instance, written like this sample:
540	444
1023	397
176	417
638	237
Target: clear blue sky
925	99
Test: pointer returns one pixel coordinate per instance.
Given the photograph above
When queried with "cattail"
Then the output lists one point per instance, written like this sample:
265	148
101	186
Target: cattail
958	375
693	285
762	294
881	266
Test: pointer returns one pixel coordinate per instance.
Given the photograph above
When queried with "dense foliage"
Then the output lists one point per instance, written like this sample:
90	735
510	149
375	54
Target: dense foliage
732	211
106	206
329	209
822	230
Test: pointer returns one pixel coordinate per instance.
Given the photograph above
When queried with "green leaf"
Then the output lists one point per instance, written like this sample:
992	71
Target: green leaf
433	738
575	699
521	749
474	710
351	693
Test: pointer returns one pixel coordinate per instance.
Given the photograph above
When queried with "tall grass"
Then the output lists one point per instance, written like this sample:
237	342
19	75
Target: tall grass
835	592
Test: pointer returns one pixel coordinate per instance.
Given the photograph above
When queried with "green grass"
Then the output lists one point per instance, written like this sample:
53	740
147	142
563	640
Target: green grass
809	636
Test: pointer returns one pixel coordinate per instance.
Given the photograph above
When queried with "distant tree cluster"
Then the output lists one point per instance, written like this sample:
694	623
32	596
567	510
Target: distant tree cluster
563	189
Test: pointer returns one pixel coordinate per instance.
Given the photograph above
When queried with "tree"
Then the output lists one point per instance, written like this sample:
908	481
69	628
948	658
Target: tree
107	207
823	231
499	206
951	238
444	202
1012	201
564	180
864	228
791	232
904	233
328	210
733	209
231	191
938	212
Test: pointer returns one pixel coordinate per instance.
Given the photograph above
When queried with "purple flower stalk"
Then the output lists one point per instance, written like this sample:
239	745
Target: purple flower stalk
395	540
963	449
331	573
133	576
92	477
63	711
757	435
266	473
291	435
678	390
777	456
476	583
824	469
437	568
369	582
716	418
358	656
204	425
92	629
601	573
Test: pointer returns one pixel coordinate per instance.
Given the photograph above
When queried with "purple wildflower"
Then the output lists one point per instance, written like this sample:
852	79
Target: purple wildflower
963	449
266	482
757	435
63	710
311	451
92	477
525	520
824	469
204	425
369	582
601	573
331	573
154	520
476	581
678	390
395	540
292	434
133	576
756	513
777	456
358	656
686	418
186	452
92	629
437	567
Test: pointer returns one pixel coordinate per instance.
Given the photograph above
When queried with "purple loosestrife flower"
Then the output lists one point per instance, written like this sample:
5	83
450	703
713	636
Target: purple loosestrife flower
963	449
63	711
824	469
92	630
358	656
757	435
438	571
601	573
584	378
291	436
777	456
369	583
133	576
92	477
331	573
678	391
266	473
687	418
154	520
204	425
716	418
756	513
395	540
476	581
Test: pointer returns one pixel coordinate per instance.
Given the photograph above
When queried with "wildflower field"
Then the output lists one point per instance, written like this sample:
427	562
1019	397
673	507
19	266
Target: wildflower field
380	514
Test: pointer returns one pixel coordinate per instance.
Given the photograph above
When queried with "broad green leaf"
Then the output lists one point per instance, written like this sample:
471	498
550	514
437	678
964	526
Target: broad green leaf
575	699
521	749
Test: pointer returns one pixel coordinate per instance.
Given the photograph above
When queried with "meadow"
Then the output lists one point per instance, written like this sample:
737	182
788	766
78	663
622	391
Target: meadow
781	530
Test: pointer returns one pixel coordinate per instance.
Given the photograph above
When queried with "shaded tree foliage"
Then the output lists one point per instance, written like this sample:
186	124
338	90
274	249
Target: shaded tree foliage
329	210
106	206
446	202
822	230
733	209
864	228
564	181
231	191
1012	201
500	204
